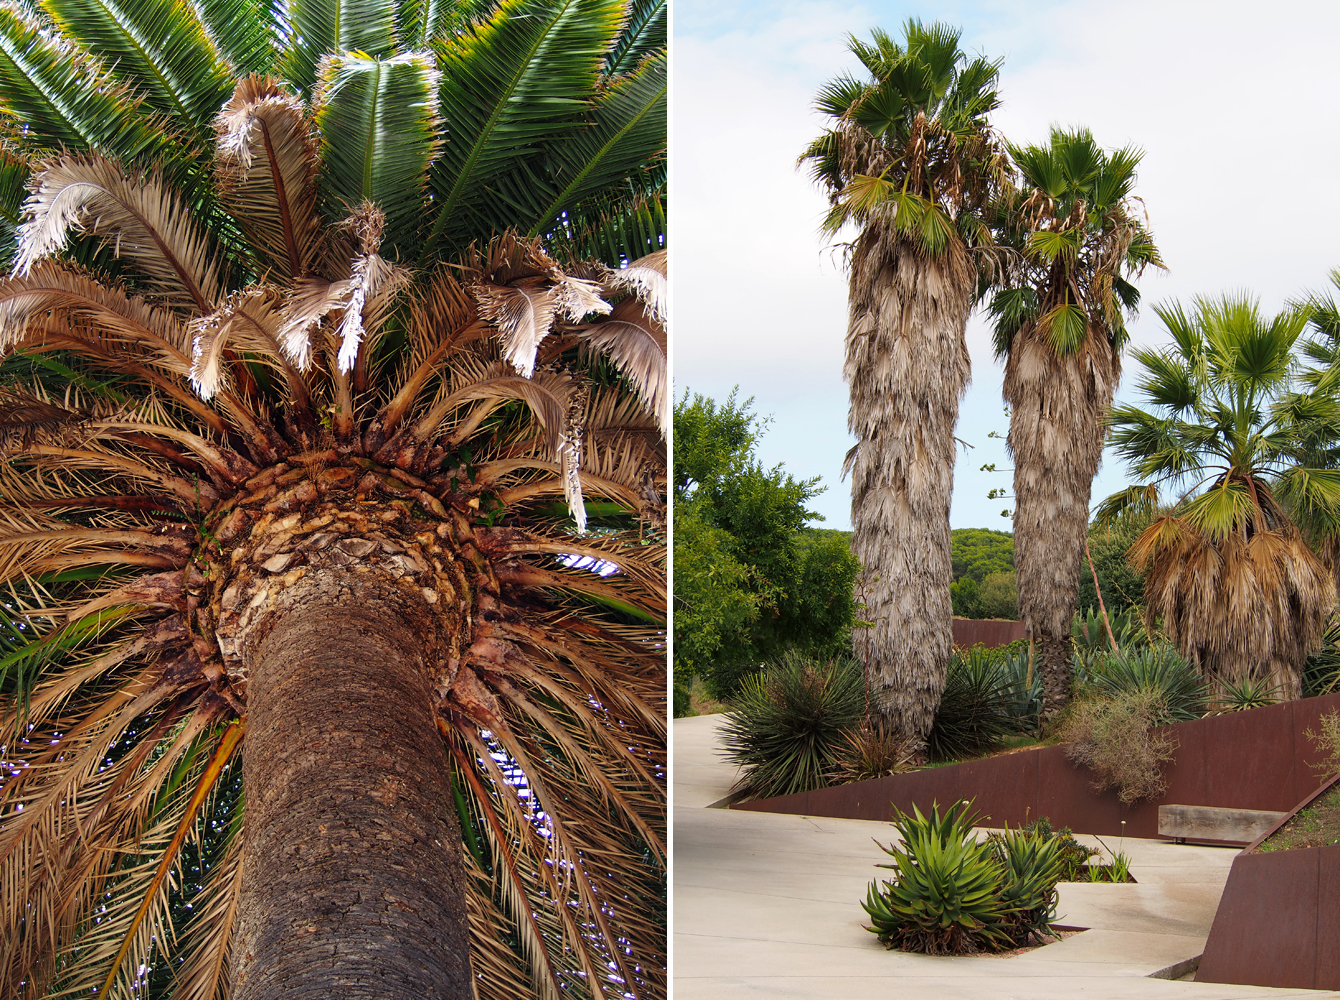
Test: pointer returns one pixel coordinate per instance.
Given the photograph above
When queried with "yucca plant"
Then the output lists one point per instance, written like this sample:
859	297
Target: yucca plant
331	431
1250	692
1177	691
945	896
790	722
975	710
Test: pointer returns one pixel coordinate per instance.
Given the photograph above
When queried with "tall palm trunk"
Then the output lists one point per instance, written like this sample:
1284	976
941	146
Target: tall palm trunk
1057	426
353	883
907	367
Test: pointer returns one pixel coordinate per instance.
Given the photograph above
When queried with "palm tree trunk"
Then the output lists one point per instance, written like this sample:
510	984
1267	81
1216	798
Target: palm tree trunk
353	884
1057	428
907	367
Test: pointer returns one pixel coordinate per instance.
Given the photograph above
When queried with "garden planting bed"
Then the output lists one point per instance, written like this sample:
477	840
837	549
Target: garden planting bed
1256	759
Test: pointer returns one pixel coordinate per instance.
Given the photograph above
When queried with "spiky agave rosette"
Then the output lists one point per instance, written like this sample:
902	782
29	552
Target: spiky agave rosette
179	450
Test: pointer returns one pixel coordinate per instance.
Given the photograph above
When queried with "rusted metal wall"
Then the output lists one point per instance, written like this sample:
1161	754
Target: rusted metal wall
993	632
1278	923
1258	759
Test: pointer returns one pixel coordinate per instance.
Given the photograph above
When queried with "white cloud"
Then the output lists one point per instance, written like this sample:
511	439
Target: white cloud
1232	103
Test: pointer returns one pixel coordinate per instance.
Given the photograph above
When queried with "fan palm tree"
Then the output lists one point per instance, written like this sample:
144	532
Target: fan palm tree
910	160
330	457
1059	326
1228	429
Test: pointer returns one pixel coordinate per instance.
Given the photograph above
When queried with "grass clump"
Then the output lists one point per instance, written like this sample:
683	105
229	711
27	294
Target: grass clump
872	751
789	722
1113	737
954	895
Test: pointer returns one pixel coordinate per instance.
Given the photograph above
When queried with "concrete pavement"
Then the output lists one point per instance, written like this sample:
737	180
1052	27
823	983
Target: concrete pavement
767	905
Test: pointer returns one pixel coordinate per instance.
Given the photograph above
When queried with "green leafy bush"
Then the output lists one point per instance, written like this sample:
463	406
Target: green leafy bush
998	596
789	721
1177	692
954	895
975	708
1112	735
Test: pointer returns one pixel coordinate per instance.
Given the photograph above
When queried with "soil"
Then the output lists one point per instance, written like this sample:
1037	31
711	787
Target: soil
1316	826
1060	935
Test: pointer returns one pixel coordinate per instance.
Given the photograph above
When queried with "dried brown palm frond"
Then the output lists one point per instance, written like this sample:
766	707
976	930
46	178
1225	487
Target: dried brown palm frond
1239	608
186	457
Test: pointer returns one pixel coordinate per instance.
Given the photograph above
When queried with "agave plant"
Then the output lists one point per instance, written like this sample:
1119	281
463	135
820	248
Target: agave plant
331	455
945	897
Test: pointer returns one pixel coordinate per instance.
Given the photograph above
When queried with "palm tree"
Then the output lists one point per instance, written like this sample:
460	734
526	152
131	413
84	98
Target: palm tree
1228	429
331	455
1060	329
909	159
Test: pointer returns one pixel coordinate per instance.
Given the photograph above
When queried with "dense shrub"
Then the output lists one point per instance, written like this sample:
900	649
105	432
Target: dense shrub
789	722
975	709
1112	735
953	895
998	596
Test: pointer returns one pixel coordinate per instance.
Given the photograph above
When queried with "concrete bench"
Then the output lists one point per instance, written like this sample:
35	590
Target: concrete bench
1234	826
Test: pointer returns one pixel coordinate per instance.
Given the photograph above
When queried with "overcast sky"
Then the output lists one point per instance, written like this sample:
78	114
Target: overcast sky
1236	106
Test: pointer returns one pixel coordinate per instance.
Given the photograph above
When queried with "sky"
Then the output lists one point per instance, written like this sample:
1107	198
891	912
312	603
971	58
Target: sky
1235	105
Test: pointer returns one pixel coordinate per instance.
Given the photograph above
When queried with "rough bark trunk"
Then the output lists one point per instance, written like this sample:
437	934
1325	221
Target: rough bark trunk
353	884
907	367
1057	428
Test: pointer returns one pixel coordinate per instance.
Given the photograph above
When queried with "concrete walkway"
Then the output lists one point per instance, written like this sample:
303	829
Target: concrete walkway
767	905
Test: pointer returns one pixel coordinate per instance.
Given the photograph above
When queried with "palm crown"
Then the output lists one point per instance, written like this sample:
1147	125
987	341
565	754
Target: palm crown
910	146
1230	430
1077	239
284	304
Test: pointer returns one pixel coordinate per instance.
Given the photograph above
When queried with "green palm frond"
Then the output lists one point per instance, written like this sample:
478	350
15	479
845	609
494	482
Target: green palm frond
508	85
158	48
379	133
336	27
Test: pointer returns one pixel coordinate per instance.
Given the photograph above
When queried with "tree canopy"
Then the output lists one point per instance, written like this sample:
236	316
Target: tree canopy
750	578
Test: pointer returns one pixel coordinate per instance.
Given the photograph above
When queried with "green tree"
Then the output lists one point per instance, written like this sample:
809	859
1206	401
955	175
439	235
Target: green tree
1077	236
751	580
978	552
909	159
1228	433
331	453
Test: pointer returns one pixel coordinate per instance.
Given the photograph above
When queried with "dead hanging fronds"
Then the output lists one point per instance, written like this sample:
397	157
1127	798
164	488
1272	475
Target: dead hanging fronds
1239	608
267	170
135	214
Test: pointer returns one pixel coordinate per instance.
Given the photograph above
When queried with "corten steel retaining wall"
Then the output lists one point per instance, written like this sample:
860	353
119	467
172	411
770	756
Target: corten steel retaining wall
993	632
1278	923
1258	759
